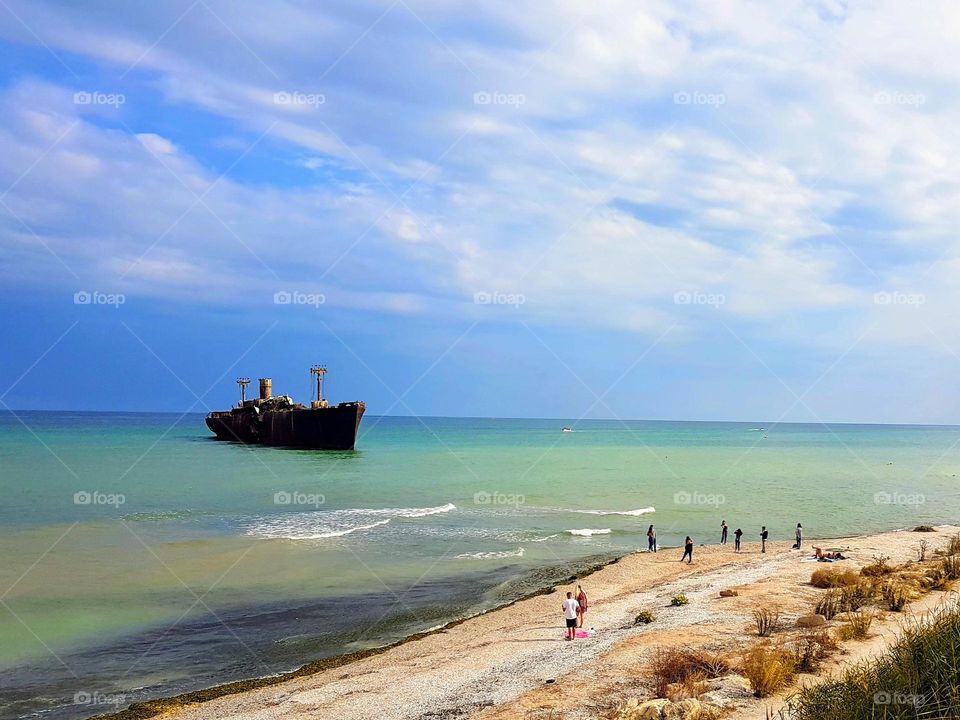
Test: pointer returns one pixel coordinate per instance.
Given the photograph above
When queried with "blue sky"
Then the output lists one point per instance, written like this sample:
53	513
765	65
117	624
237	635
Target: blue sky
684	210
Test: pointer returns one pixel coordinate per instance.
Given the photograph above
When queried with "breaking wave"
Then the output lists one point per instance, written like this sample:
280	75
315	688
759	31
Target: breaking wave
322	524
491	555
587	532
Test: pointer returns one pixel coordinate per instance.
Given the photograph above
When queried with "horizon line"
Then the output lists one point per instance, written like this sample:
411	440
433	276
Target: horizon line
14	411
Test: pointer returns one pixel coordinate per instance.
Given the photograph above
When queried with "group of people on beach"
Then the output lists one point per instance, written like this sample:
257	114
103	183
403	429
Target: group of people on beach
724	530
574	608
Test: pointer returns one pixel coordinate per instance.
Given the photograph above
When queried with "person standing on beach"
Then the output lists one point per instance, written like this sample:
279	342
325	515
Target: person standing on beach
736	540
723	532
687	550
763	539
651	539
799	535
570	610
581	605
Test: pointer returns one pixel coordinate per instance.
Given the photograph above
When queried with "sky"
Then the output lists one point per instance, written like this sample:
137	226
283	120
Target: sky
715	210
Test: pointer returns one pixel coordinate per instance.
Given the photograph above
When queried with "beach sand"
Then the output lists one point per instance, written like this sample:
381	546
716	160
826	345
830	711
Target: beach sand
514	663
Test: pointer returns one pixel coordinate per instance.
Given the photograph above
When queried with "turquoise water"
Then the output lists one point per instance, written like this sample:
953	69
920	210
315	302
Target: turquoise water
142	558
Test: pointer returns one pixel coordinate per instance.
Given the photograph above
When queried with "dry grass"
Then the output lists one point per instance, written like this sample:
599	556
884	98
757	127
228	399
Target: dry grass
953	545
685	668
829	605
936	579
895	595
767	620
768	669
854	597
858	625
833	578
812	648
878	568
951	567
692	686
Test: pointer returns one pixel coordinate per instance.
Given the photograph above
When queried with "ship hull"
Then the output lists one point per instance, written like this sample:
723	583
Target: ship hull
329	428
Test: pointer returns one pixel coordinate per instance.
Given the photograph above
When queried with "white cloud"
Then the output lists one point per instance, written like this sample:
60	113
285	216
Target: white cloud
598	197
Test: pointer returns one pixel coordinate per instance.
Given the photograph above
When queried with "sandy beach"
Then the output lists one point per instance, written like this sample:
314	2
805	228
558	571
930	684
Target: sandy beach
513	662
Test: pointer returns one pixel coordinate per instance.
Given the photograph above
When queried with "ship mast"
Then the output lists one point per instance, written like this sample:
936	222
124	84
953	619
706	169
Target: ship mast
243	382
319	371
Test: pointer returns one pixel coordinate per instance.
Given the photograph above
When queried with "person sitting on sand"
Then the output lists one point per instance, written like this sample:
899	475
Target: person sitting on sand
687	550
570	610
651	539
581	605
736	540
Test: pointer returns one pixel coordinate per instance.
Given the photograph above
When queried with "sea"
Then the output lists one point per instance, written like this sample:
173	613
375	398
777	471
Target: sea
141	558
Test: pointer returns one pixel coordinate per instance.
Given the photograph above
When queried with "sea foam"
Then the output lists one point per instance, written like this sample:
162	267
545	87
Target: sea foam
587	532
321	524
492	555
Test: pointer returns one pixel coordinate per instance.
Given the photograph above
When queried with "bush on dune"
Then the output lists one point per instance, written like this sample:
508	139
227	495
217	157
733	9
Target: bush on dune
833	578
917	677
768	668
688	668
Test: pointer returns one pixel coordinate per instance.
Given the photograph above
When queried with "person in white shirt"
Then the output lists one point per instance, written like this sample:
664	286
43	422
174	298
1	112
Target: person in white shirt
570	609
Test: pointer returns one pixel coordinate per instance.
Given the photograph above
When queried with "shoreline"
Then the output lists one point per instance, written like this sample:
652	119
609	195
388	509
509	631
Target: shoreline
315	669
152	708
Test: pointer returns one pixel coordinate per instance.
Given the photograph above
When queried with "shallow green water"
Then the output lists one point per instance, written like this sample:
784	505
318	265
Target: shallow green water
184	561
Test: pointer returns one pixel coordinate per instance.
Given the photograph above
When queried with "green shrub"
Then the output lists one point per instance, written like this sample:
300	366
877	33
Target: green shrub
644	618
679	600
923	664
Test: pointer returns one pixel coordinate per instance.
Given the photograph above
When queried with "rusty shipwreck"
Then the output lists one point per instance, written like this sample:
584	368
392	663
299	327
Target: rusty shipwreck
279	421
